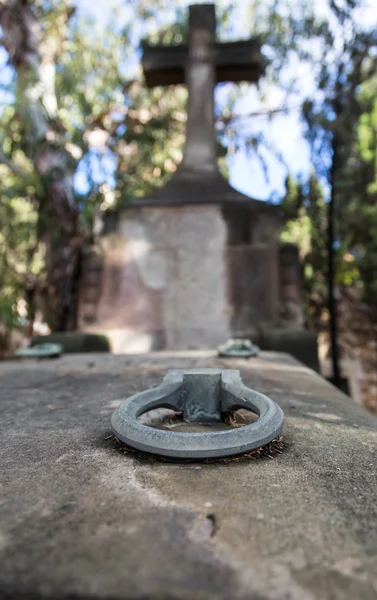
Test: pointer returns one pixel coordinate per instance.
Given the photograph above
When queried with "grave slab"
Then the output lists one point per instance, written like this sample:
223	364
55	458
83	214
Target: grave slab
81	519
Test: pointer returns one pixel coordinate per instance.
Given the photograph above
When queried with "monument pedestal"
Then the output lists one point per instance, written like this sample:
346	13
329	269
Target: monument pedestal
81	519
186	273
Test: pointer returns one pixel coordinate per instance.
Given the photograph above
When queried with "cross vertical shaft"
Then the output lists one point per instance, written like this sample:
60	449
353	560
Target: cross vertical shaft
200	149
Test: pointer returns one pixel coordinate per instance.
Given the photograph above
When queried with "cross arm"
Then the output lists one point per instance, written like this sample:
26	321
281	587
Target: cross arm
238	61
164	65
233	61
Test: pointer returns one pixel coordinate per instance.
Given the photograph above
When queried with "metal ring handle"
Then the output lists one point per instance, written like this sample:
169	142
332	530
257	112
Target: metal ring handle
233	395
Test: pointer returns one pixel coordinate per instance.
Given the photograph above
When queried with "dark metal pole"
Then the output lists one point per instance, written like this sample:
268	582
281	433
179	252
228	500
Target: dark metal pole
331	276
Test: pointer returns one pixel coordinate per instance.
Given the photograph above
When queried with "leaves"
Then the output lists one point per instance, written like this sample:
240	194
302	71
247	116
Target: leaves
341	127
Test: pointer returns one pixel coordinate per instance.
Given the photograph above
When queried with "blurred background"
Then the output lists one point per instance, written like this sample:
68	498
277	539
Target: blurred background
81	135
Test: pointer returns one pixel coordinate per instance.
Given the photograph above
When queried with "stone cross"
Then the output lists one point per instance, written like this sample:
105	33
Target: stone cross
201	64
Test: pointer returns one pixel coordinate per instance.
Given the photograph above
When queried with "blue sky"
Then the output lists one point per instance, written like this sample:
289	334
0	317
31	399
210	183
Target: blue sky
284	132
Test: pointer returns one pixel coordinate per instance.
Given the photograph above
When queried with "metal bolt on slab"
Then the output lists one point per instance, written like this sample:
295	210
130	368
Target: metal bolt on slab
202	396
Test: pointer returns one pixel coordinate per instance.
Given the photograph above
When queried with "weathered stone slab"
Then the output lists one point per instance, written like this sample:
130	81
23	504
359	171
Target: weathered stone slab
300	343
254	285
80	519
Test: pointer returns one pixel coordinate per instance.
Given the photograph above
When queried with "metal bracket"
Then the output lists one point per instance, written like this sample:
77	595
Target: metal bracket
203	396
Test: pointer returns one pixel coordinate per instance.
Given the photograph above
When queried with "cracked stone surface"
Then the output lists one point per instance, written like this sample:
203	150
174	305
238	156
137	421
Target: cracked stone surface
80	519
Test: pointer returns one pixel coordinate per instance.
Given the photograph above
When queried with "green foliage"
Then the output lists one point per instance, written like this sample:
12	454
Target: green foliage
21	257
104	120
341	127
304	211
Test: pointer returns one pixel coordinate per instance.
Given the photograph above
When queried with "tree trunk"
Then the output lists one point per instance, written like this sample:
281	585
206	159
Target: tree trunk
34	61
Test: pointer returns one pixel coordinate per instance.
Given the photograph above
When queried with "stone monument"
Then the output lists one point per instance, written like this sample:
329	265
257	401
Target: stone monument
82	518
196	261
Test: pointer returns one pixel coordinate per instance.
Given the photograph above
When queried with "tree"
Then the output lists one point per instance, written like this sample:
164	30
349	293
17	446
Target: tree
32	54
347	59
304	211
363	208
70	113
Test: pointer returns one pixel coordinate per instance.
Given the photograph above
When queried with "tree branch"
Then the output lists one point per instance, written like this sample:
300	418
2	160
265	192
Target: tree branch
263	113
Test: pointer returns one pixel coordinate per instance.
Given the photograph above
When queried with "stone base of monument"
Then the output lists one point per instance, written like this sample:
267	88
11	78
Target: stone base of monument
300	343
75	341
81	519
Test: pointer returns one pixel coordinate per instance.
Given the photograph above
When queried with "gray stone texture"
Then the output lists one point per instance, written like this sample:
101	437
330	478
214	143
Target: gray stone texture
300	343
80	519
290	286
164	280
253	286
